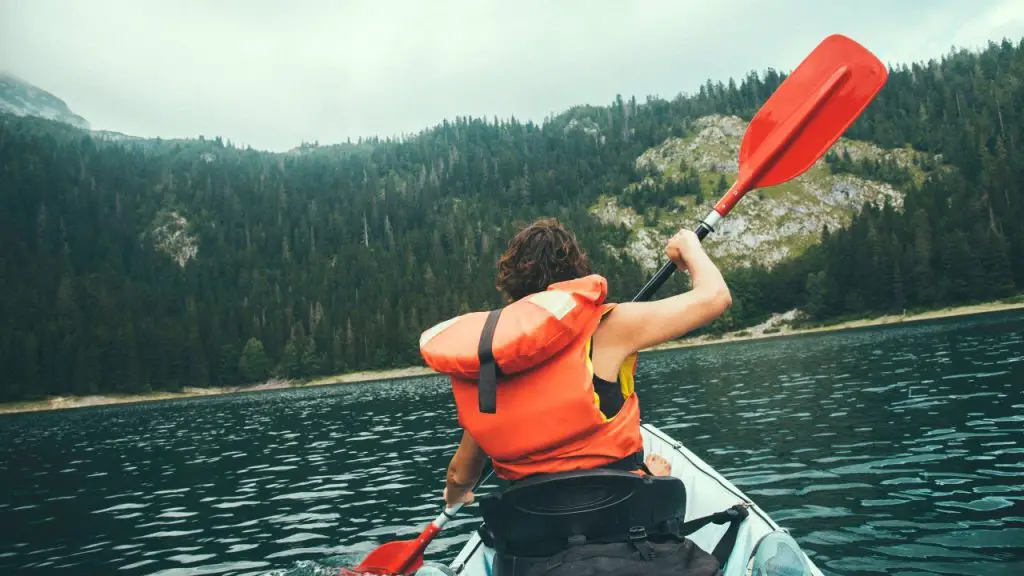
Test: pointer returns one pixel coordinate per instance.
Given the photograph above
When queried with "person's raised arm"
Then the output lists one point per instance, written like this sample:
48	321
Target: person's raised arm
634	326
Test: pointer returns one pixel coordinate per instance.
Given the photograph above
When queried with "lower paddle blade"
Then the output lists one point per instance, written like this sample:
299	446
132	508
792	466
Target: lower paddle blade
406	556
806	114
390	558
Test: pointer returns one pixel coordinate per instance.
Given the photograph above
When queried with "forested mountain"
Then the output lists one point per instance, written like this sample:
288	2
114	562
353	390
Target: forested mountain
138	265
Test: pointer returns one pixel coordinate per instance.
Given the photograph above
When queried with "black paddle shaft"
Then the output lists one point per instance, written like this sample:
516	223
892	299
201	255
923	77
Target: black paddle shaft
663	275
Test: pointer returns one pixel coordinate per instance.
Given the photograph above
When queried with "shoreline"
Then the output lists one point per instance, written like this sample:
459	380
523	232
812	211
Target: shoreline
69	402
770	329
754	333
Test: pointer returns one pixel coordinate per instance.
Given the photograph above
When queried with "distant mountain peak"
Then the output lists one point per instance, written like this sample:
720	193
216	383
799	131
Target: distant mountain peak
22	98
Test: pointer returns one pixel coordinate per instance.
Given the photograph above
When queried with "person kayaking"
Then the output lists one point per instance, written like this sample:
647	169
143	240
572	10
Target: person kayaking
544	385
545	253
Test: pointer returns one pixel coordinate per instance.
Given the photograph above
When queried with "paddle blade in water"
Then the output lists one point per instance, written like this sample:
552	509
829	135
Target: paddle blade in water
406	556
399	557
805	115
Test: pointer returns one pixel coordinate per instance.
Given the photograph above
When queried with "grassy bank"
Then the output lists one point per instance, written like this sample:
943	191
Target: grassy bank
768	330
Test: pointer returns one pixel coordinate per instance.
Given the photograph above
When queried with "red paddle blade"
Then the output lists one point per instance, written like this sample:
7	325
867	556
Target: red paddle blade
390	558
806	114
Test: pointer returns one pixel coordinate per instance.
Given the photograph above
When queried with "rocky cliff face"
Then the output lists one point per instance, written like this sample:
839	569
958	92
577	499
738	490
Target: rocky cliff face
170	233
768	225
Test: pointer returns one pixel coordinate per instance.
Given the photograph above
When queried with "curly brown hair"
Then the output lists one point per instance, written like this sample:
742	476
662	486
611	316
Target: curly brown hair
540	255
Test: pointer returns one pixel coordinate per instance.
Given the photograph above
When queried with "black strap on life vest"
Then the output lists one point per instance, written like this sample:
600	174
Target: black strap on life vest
487	385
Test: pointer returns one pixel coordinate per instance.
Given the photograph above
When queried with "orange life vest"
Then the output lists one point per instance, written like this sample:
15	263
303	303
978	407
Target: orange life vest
523	382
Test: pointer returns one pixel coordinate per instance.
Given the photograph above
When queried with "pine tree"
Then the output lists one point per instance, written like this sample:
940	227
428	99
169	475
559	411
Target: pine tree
312	361
817	295
291	363
253	364
998	276
923	278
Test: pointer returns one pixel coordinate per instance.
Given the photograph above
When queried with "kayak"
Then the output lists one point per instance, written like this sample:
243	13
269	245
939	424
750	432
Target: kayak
708	492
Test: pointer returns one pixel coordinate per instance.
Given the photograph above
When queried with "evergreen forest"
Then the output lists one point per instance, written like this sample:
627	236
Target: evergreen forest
139	265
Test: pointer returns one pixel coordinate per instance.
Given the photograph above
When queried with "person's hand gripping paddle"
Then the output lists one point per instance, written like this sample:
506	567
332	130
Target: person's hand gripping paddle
805	115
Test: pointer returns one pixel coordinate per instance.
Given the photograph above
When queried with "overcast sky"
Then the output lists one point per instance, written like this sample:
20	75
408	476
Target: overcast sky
272	74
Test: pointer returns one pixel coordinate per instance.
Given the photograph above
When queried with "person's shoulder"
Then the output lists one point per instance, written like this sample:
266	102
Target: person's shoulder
616	317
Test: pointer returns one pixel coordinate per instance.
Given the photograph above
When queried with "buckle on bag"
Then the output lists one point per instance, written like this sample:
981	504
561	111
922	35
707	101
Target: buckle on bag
638	540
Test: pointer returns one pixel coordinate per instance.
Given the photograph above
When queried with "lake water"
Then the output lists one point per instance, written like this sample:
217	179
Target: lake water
884	451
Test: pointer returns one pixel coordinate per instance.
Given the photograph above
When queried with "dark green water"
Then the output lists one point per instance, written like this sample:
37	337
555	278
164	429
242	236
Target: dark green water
884	451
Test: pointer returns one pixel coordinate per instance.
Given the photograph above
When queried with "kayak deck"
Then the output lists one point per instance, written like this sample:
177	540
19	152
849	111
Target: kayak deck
707	492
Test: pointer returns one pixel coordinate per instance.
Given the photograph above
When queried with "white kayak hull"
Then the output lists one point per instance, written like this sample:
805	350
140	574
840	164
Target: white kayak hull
707	492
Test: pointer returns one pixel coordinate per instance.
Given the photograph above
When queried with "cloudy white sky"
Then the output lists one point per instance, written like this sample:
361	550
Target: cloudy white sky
272	74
